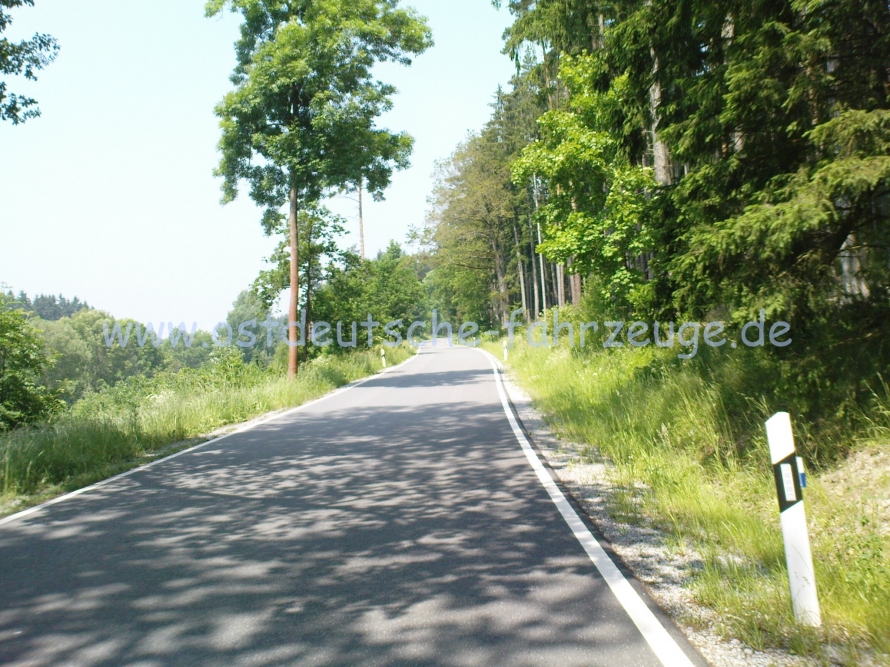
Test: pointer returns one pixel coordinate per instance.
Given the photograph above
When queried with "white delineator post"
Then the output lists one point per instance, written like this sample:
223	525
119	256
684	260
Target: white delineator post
788	470
383	355
505	350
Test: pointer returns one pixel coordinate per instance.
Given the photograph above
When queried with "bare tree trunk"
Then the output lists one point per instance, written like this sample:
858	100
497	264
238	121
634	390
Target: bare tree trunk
502	281
660	154
540	256
534	273
520	266
574	278
293	357
852	258
308	234
554	284
728	35
543	272
361	219
574	285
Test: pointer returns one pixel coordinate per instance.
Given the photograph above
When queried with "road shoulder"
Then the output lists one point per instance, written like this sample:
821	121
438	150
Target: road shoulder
663	571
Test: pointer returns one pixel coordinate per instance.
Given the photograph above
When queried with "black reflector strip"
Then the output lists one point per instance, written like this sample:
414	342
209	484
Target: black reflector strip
788	482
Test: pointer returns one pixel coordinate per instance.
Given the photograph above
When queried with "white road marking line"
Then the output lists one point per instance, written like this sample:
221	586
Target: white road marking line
663	645
241	429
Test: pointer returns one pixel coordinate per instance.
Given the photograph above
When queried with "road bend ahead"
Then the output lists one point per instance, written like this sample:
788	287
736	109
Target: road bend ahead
398	522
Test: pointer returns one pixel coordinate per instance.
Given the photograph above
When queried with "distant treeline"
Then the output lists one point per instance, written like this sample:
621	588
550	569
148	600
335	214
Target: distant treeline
49	306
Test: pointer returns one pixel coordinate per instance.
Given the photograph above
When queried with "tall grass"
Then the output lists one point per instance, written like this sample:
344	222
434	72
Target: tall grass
689	448
120	427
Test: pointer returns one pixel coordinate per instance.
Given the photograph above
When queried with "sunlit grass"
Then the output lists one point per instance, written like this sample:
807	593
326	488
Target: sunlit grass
129	424
690	453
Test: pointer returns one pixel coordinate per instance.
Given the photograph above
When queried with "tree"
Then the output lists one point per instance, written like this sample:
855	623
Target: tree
386	287
85	363
301	120
23	58
50	307
22	361
317	250
480	232
473	218
248	307
596	215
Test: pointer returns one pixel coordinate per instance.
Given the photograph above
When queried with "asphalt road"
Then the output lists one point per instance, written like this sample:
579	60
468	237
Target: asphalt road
398	522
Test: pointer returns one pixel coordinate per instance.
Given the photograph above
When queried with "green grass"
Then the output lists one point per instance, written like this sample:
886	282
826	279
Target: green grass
689	453
135	421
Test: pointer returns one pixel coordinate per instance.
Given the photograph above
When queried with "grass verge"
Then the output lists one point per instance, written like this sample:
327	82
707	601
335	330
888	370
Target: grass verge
141	419
690	455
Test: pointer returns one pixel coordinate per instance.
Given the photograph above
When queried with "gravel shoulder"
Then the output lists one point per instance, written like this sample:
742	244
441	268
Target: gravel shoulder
664	570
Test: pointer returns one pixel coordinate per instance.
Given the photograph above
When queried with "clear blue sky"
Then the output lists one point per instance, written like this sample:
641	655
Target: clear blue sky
110	194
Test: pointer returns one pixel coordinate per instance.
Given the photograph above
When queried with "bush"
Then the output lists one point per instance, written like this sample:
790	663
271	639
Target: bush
22	362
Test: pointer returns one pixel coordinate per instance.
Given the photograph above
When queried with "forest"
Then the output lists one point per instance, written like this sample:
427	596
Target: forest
651	161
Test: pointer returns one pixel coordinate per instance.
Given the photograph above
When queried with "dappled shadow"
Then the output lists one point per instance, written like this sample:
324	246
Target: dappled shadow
397	523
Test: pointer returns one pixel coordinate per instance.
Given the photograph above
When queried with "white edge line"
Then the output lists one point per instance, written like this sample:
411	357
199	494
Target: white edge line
662	644
253	423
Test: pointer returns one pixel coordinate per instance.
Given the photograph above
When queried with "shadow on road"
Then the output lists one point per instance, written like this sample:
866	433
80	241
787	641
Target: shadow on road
406	532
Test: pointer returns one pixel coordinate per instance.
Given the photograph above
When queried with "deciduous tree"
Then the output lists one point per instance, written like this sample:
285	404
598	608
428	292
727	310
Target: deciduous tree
24	58
301	119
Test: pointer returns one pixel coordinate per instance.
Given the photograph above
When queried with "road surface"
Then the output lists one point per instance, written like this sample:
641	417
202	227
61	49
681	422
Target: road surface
398	522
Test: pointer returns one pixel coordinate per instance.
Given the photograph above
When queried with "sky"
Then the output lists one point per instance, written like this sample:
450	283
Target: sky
110	195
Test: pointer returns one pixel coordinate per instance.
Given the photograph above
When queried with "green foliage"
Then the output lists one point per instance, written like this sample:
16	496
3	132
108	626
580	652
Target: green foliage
24	58
386	287
599	205
318	250
305	100
472	217
22	361
189	356
479	233
782	253
50	307
247	308
301	121
770	122
86	363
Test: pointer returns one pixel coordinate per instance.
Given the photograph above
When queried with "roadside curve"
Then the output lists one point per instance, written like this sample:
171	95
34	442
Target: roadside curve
668	651
394	523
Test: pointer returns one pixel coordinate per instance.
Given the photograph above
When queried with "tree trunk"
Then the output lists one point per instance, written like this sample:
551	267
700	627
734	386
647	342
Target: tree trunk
575	286
543	272
540	256
361	219
308	234
293	356
502	281
560	285
852	259
520	266
660	155
534	274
